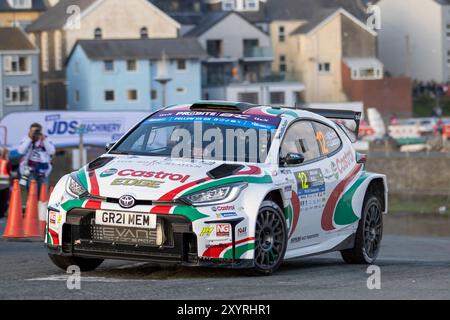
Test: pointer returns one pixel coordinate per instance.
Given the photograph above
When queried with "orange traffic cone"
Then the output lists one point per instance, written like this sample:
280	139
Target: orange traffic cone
14	226
31	220
43	202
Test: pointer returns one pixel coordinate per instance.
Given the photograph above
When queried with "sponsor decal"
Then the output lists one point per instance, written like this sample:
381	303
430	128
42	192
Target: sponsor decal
223	230
108	173
137	183
242	231
52	217
310	182
154	174
228	214
207	231
304	238
223	208
345	162
218	118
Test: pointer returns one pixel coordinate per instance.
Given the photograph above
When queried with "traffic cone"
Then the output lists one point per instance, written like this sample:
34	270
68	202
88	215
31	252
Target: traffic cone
31	220
14	225
43	202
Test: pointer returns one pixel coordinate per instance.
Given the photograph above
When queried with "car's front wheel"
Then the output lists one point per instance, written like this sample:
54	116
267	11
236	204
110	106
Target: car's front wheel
368	235
83	263
270	239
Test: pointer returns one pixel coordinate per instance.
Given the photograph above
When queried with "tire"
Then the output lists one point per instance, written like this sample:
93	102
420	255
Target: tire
83	263
369	234
270	239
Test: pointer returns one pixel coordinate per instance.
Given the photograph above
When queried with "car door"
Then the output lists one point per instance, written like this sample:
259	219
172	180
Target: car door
310	184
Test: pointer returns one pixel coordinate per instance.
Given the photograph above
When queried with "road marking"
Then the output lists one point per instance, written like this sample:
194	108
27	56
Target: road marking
86	279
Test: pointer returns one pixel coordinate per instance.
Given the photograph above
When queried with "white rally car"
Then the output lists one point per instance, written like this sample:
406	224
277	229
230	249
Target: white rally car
185	187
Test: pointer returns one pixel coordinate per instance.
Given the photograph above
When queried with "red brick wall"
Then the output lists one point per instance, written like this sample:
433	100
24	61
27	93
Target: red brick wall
389	95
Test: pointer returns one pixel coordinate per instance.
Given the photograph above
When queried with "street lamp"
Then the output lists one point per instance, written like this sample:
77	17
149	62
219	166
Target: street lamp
163	77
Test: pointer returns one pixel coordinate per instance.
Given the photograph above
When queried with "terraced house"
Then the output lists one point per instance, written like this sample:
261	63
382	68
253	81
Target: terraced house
57	31
20	13
19	72
134	74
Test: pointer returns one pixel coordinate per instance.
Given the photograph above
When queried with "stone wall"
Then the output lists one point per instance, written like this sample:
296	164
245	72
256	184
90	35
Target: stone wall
414	174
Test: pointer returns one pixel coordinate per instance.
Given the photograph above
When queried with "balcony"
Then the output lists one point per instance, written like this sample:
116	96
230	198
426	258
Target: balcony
225	79
258	54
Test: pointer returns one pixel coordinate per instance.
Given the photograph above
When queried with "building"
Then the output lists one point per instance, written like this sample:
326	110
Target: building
335	54
127	74
414	39
19	72
20	13
56	32
238	67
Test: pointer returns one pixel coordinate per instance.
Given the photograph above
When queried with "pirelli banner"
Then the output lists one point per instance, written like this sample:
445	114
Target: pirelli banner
64	128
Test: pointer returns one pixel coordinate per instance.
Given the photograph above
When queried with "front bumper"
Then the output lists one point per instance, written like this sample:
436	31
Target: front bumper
176	244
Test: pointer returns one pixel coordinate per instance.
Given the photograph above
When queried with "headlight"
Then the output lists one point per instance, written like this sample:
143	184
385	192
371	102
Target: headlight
215	196
74	188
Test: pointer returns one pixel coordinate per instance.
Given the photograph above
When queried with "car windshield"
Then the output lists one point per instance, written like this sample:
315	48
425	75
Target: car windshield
202	135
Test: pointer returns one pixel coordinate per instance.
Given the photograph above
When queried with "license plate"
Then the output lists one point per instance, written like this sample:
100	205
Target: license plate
128	219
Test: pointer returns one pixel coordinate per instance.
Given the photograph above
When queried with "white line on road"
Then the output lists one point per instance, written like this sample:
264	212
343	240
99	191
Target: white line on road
86	279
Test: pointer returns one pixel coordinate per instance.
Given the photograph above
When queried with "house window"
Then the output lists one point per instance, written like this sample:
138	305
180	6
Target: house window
108	65
249	97
77	96
132	95
144	33
448	31
283	65
448	57
98	34
281	34
77	67
214	48
44	52
131	65
277	97
58	51
20	4
251	5
18	95
181	65
16	65
324	67
228	5
110	95
181	90
153	94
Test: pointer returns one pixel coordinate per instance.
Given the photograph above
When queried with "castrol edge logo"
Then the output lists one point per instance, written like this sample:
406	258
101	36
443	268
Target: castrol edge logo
130	177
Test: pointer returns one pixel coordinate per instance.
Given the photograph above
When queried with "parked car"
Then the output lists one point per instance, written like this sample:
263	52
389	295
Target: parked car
305	191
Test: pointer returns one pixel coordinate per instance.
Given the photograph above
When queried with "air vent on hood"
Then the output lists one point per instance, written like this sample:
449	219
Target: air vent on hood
225	170
100	162
238	107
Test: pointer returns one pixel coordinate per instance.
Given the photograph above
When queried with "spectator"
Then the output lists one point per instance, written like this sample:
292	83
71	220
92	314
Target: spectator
37	152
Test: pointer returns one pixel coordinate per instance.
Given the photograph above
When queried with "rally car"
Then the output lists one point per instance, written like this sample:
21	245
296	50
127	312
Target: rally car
221	184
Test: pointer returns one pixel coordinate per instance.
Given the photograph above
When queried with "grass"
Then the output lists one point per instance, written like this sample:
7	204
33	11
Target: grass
418	205
423	106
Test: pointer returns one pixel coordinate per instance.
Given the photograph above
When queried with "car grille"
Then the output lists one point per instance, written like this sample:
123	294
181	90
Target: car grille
172	241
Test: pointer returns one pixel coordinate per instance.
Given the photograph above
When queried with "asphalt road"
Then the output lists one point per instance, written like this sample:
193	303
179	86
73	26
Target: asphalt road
411	268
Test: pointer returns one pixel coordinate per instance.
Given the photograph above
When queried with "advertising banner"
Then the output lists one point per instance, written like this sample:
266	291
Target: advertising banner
63	127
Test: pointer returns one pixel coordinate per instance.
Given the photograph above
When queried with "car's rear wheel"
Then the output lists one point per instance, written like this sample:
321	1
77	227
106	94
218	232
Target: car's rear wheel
270	239
369	234
83	263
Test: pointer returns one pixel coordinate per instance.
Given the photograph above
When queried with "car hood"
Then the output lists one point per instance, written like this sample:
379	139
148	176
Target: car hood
154	178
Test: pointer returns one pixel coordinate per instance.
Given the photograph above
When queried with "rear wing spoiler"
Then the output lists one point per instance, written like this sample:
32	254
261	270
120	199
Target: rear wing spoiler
348	120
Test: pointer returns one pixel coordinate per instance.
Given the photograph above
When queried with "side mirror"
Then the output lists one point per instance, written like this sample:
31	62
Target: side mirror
293	159
109	146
